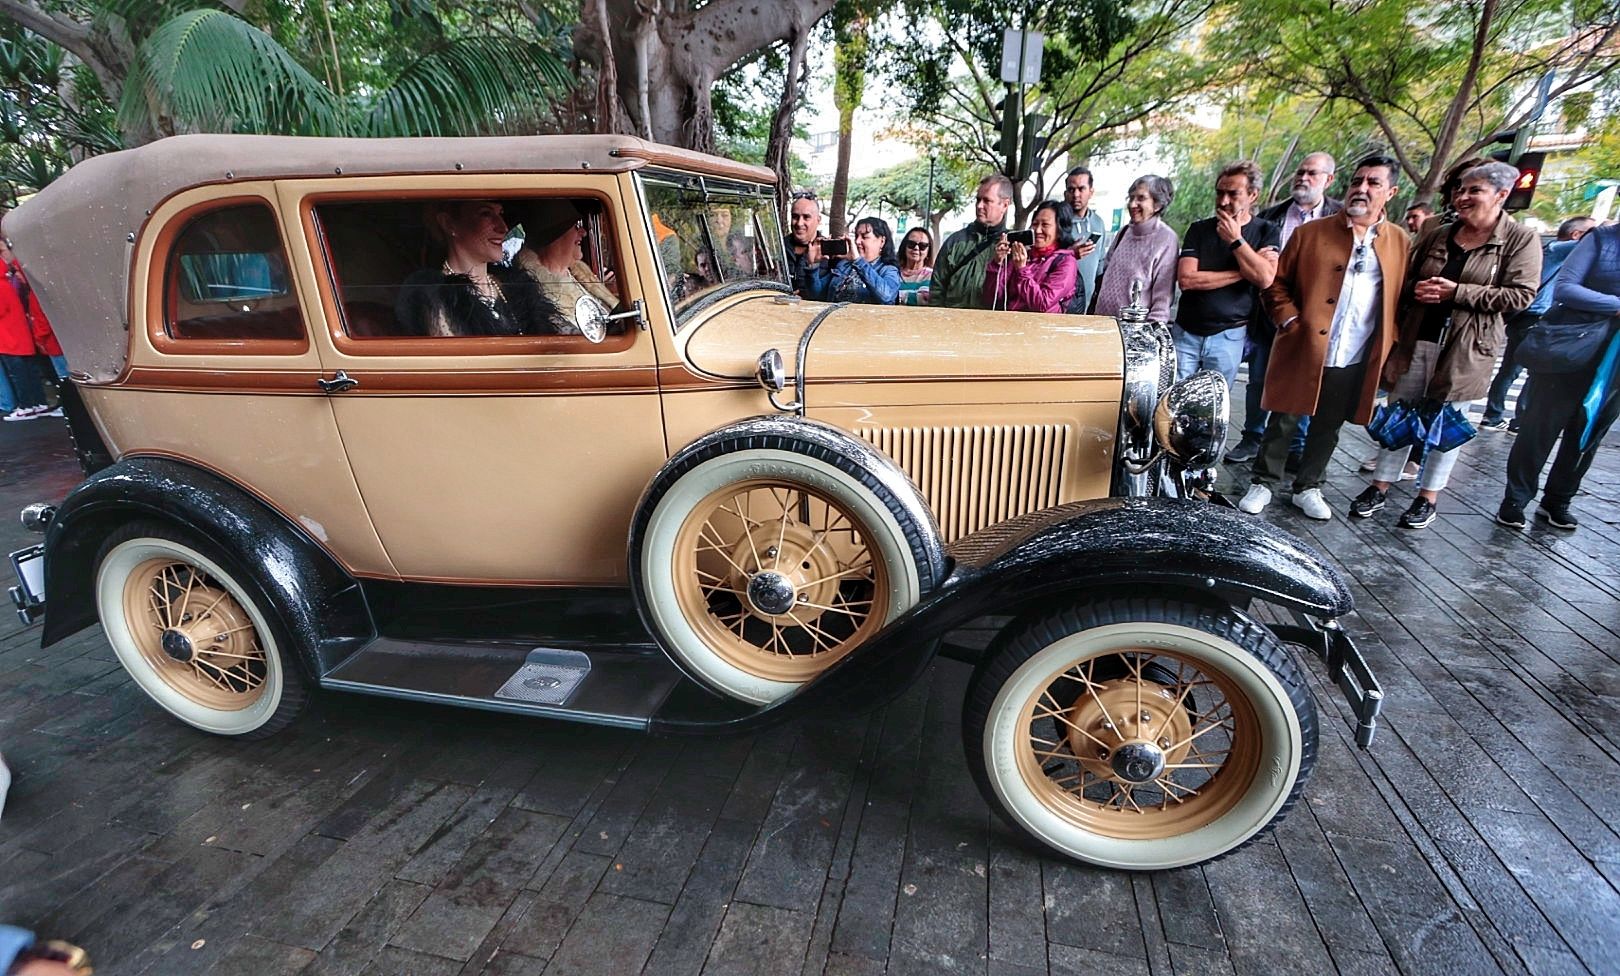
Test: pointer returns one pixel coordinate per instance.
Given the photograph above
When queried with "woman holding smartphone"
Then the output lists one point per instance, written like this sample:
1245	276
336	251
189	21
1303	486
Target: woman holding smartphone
1030	272
866	273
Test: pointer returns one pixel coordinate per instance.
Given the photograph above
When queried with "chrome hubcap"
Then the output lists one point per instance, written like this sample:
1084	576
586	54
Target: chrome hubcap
1137	762
771	593
177	645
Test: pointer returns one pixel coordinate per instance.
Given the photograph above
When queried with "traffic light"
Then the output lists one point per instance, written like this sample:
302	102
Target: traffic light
1008	112
1529	175
1033	148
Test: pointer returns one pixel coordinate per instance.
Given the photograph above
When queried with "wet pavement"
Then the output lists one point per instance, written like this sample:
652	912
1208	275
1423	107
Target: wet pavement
1478	835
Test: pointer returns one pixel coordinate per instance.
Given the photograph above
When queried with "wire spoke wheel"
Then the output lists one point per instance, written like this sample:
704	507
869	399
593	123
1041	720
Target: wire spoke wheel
780	581
196	636
1166	747
1140	733
195	631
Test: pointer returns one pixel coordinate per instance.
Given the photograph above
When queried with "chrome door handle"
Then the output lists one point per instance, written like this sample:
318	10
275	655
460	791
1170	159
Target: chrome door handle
337	384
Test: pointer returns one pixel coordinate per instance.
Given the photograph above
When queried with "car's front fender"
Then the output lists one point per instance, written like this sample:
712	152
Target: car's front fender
1134	545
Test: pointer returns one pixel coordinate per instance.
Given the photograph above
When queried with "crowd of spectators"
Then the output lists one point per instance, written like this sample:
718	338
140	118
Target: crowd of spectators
1336	307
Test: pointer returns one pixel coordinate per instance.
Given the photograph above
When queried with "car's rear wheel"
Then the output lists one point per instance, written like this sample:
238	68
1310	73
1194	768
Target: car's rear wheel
1140	734
194	634
762	561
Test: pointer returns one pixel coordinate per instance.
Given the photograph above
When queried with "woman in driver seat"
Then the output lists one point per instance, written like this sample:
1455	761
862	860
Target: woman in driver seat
553	253
472	292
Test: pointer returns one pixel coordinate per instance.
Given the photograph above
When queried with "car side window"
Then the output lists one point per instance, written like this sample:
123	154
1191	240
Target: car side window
469	267
226	277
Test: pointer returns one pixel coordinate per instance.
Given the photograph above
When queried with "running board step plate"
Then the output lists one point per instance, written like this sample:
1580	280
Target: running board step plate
620	687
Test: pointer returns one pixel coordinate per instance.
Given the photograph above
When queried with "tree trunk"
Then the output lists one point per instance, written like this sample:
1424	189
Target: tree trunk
1447	136
678	54
778	151
849	84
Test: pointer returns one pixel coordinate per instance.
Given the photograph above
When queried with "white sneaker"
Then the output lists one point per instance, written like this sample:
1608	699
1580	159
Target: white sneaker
1255	500
1311	502
21	413
1410	472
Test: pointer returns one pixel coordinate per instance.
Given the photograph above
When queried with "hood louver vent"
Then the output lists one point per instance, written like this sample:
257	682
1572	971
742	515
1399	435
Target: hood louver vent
974	477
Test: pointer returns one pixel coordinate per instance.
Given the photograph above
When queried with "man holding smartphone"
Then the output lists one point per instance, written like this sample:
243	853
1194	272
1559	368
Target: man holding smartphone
1088	228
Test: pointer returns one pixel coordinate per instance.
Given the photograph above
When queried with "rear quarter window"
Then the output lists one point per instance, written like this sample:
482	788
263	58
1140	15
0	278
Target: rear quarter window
226	277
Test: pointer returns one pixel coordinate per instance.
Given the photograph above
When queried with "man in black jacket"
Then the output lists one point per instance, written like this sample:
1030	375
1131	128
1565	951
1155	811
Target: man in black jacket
1308	200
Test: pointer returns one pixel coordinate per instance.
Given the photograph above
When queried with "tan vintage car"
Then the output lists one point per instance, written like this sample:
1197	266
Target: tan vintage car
534	425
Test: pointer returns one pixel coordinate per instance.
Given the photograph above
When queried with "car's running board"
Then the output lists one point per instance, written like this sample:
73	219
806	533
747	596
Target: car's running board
620	687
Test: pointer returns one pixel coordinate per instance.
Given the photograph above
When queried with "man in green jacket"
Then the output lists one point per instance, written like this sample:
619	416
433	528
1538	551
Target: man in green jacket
959	271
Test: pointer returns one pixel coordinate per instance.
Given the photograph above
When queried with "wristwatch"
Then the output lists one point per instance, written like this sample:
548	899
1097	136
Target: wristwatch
1236	245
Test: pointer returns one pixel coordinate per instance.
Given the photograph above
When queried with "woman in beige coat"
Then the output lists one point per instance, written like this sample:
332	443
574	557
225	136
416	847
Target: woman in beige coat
1465	278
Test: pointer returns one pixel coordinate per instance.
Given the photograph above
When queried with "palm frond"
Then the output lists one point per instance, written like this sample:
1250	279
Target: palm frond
471	85
210	71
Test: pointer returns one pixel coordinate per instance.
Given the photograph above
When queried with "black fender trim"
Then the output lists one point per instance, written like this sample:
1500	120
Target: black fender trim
1065	552
321	605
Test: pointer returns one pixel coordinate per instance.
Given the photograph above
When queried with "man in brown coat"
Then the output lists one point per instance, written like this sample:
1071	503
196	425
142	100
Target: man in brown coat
1333	300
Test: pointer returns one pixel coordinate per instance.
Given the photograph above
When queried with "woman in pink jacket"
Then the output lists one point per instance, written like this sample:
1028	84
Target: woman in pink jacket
1038	278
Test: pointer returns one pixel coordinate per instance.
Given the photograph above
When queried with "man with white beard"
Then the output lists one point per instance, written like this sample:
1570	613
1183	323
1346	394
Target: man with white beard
1308	201
1333	299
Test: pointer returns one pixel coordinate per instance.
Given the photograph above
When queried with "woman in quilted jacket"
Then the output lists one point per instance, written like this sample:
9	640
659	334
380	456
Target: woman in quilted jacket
1035	278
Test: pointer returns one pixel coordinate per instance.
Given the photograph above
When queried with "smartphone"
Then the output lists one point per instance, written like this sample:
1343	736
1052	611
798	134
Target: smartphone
835	247
1094	239
1024	237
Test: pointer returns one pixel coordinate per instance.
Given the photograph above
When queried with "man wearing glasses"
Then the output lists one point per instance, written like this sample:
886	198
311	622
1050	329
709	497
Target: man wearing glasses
1333	299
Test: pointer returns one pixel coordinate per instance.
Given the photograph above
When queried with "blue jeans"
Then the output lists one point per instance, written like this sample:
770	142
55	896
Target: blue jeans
1254	415
1496	400
59	363
1222	352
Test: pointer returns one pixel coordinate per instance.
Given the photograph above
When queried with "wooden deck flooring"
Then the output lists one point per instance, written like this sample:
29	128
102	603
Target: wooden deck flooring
377	837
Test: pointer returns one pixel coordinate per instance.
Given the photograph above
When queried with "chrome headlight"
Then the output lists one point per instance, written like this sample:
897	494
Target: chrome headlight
1190	423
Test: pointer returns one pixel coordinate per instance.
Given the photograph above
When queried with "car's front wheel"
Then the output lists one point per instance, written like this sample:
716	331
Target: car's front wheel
1140	734
194	634
763	558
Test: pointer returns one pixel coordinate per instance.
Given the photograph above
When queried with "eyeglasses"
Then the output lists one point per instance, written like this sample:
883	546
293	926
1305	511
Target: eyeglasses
1359	265
917	245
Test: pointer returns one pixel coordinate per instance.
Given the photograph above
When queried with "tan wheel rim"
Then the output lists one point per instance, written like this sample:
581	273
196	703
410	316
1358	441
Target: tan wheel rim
779	581
1140	744
194	635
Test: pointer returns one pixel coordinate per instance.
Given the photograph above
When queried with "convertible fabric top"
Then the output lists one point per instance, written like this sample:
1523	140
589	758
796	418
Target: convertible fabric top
74	238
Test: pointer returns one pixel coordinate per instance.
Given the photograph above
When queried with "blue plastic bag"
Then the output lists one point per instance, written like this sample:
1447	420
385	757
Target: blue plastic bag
1396	425
1602	386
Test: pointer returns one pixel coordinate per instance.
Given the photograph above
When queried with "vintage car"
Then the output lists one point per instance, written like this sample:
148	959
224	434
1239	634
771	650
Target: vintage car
534	425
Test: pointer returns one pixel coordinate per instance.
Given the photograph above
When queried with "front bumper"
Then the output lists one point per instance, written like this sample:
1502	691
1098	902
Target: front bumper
1346	668
28	596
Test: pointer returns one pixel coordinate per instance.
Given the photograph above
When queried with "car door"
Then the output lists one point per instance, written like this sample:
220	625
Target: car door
489	459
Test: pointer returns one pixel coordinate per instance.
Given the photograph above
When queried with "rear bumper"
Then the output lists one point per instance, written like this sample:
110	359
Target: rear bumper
1346	668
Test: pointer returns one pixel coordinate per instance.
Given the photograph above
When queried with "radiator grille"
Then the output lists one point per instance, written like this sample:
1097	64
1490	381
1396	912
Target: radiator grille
977	476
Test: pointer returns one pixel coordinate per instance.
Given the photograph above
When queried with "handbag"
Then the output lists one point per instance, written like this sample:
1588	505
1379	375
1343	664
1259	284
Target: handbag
1566	340
1448	427
1399	424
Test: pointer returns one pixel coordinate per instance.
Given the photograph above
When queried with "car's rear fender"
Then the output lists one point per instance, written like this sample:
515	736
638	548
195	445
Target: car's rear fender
321	605
1114	545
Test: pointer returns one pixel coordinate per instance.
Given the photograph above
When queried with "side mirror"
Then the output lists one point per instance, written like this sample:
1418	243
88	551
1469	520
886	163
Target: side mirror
591	316
770	373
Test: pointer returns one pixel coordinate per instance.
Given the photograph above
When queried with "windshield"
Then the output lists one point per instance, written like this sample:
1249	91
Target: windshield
711	233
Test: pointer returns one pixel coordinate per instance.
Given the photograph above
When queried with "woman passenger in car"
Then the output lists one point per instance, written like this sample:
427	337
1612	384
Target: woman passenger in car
472	292
553	253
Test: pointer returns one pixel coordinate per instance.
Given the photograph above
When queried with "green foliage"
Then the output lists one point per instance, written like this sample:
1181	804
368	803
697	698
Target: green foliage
904	188
1108	67
50	113
1434	76
211	71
